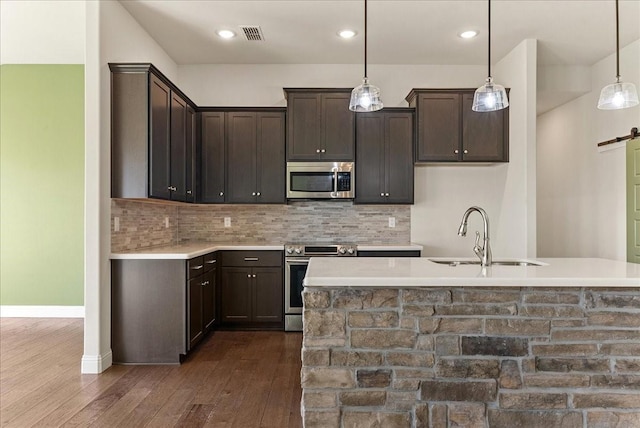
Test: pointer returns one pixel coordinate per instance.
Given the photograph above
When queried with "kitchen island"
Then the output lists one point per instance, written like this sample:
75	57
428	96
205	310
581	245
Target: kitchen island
412	343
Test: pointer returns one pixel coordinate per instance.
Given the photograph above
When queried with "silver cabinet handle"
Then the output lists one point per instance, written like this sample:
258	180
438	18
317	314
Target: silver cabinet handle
221	193
249	275
172	188
322	151
188	192
250	259
465	152
253	194
386	194
204	283
197	267
254	275
258	193
317	150
382	194
210	262
456	151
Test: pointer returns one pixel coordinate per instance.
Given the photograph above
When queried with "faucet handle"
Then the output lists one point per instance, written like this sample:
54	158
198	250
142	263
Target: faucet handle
477	248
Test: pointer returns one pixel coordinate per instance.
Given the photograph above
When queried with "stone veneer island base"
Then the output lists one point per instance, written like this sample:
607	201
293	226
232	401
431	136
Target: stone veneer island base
469	356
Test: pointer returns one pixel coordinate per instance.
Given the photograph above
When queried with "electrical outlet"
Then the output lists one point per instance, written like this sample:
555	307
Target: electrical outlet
392	222
116	224
166	222
227	222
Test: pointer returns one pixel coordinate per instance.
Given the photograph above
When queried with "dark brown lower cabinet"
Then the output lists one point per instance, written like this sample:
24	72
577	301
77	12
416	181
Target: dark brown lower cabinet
160	309
251	292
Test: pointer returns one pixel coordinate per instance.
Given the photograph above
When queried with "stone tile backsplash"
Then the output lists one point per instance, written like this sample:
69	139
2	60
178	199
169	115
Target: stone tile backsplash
142	223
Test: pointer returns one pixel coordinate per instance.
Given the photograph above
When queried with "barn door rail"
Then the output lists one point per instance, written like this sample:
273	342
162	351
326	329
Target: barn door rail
634	133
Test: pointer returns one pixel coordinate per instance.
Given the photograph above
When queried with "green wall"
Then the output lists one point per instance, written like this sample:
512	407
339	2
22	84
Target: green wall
41	185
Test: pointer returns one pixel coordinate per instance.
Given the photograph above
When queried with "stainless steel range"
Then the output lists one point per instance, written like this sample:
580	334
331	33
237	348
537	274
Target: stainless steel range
296	261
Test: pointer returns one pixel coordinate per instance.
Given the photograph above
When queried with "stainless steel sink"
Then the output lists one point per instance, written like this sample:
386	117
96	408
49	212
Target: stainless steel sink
461	262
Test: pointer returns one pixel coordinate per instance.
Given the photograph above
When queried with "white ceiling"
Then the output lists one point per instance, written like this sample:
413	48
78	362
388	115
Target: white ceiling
569	32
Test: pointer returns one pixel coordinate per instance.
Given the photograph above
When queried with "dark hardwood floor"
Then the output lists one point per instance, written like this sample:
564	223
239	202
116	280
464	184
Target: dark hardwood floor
233	379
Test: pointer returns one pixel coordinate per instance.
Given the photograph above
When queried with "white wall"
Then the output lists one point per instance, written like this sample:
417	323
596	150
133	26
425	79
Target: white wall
442	193
112	36
42	32
581	191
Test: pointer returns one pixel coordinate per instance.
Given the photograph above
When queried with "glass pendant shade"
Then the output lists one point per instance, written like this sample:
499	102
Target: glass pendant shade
618	95
490	97
365	98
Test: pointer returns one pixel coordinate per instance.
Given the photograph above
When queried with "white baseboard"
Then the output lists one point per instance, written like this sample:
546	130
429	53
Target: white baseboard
20	311
94	364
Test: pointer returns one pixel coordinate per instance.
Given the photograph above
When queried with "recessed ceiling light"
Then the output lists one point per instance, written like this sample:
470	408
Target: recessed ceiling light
226	34
468	34
346	34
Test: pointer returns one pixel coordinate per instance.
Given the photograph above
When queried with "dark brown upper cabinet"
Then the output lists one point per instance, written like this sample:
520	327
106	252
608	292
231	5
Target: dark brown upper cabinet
153	131
212	157
320	125
255	157
384	157
449	131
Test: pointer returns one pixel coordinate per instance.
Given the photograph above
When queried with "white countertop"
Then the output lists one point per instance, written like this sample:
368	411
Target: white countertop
188	250
194	249
418	272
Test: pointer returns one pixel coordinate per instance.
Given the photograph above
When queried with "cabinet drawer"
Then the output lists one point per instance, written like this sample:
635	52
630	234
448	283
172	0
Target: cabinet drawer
210	261
195	267
252	258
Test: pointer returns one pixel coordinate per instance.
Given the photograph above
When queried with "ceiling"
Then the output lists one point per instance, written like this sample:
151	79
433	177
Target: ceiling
569	32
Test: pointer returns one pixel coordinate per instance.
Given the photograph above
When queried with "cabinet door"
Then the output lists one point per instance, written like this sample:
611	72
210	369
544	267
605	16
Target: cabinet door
438	127
303	128
235	295
190	163
399	158
241	157
338	127
270	158
212	158
485	136
267	295
209	299
159	147
194	310
178	148
370	158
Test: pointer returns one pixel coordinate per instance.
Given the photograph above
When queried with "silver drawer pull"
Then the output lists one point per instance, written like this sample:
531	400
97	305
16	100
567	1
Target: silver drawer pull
250	259
210	262
197	267
249	275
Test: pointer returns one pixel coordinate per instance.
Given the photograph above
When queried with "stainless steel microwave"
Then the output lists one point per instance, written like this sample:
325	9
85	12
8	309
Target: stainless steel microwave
320	180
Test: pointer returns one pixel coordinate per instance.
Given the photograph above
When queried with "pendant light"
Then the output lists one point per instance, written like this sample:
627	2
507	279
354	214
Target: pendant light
618	95
490	96
365	97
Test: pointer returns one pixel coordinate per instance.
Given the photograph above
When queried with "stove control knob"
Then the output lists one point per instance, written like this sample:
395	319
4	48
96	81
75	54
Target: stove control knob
298	251
342	250
350	251
289	250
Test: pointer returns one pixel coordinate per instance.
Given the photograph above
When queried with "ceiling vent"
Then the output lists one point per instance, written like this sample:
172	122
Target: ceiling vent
253	33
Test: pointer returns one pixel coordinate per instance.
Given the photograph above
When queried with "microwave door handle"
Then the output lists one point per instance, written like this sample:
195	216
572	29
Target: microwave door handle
335	182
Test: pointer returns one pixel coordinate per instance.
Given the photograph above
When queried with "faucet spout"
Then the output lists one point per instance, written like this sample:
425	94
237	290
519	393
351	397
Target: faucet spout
484	252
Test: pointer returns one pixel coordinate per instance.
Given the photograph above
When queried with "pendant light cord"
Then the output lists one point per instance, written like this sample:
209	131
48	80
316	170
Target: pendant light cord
365	39
617	43
489	35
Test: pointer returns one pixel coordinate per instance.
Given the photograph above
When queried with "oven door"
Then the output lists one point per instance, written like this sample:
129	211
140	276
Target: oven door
295	270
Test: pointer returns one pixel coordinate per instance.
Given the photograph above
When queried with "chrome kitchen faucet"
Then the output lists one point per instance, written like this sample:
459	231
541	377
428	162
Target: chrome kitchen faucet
484	252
